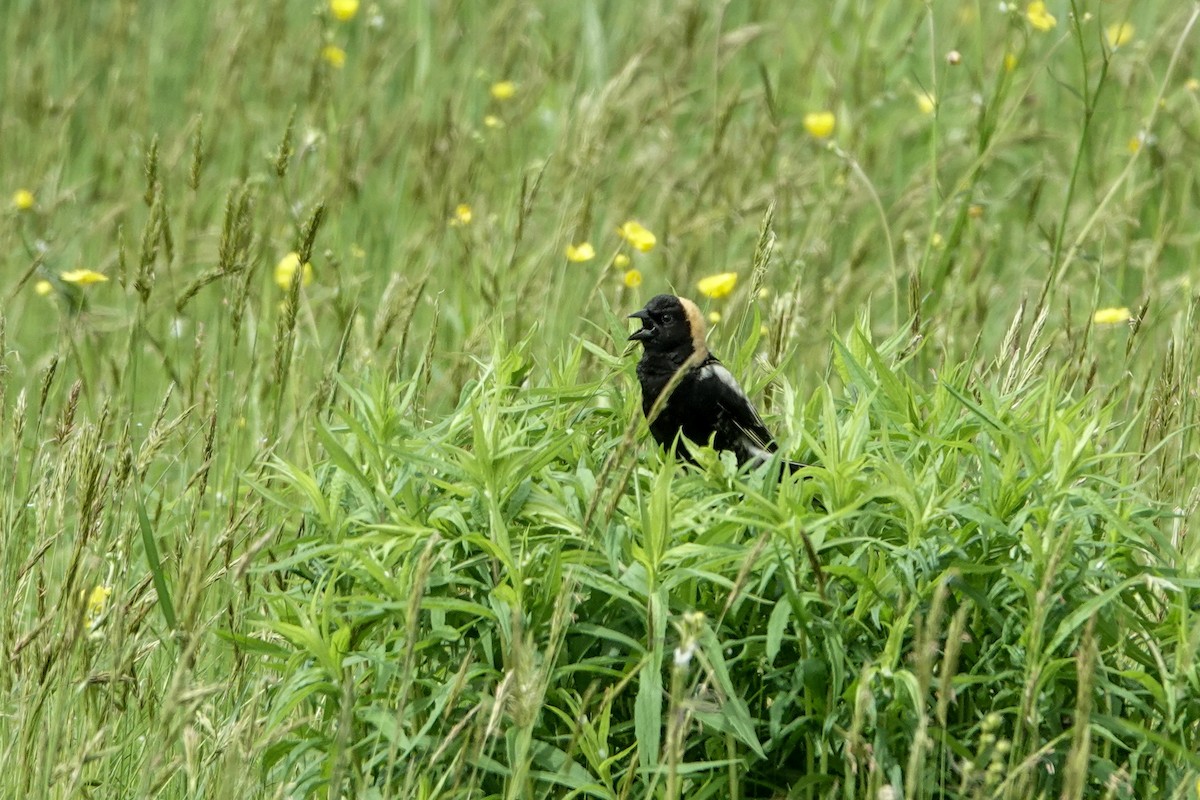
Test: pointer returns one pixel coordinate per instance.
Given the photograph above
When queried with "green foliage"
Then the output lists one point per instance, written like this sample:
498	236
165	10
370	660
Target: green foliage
390	526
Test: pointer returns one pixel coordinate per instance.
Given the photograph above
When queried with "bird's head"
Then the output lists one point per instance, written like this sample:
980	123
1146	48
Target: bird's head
670	324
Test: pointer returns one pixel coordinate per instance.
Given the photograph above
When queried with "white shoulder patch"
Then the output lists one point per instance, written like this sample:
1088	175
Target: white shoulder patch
722	374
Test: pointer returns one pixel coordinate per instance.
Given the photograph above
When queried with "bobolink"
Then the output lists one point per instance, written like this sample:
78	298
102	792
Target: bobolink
707	404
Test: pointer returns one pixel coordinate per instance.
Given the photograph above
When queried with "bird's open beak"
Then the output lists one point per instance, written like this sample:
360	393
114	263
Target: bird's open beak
647	329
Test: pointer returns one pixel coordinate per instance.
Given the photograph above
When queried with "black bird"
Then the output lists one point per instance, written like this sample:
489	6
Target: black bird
707	404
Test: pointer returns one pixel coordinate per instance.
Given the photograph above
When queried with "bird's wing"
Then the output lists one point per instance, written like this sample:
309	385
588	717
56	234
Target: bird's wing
720	384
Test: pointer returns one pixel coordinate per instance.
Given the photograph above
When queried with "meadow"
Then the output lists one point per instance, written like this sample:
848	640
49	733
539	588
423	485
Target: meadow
322	465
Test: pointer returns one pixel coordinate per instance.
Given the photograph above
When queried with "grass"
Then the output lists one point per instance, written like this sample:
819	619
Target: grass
398	531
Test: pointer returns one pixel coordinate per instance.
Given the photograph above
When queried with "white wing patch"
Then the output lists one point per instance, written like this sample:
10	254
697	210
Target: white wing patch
719	372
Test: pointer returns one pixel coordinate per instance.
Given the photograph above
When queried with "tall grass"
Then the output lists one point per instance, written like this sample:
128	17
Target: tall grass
391	527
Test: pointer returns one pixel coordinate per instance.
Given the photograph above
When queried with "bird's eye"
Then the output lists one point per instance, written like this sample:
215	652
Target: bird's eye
668	318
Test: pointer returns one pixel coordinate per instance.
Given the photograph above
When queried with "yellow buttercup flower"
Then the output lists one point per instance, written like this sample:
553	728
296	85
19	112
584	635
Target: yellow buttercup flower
334	56
22	199
620	261
714	317
1039	17
83	277
504	90
97	600
580	252
637	235
43	288
286	269
1111	316
343	10
95	604
820	124
1010	62
926	102
1118	34
462	215
492	121
717	286
633	278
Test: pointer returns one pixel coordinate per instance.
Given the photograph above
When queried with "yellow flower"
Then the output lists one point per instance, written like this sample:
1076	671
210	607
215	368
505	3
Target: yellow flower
633	278
492	121
1118	34
580	252
334	56
1192	84
763	330
286	269
717	286
1010	62
926	102
462	215
1111	316
504	90
83	277
1135	142
343	10
637	235
620	261
714	317
820	124
43	288
1039	17
97	600
22	199
357	251
937	241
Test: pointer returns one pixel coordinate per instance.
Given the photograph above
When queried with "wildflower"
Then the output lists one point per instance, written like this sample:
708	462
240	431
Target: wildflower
683	655
462	215
1111	316
937	241
621	261
83	277
96	601
1118	34
633	278
1192	84
504	90
1039	17
717	286
926	102
334	56
820	124
763	330
637	235
43	288
22	199
714	317
343	10
492	121
1010	62
580	252
285	270
357	251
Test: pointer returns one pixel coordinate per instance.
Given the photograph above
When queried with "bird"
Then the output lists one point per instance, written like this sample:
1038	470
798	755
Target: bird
706	405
